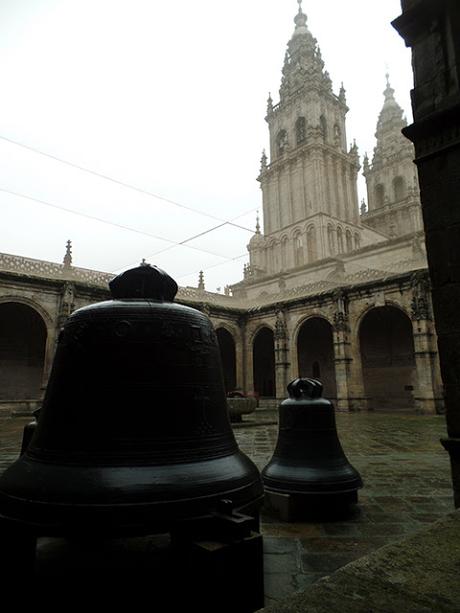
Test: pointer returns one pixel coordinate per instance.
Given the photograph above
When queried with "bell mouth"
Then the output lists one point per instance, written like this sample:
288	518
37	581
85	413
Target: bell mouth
53	499
290	479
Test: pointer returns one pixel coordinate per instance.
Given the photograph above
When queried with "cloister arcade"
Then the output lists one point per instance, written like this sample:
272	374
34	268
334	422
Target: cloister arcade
372	345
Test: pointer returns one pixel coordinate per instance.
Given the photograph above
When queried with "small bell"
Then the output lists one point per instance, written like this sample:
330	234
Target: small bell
309	470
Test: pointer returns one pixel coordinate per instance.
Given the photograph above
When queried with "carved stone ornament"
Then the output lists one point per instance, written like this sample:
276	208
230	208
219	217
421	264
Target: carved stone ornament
420	305
341	322
280	326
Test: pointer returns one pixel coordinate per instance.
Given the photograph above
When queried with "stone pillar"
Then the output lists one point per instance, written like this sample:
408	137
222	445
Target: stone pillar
425	393
249	366
239	356
282	365
342	353
431	28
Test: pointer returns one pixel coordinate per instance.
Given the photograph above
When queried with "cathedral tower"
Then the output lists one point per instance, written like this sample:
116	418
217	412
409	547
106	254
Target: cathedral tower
309	184
392	182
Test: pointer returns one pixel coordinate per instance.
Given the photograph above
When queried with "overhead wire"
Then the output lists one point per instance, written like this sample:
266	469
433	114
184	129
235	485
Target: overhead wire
121	226
121	183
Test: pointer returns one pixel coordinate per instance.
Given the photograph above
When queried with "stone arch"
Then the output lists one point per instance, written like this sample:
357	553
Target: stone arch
36	306
399	188
227	349
301	130
388	357
315	352
379	194
23	339
263	351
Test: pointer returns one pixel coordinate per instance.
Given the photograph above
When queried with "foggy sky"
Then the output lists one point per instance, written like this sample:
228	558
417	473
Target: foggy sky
169	97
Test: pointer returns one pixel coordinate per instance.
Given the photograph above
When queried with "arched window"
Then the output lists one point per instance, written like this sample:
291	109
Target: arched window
272	258
349	240
399	188
301	130
298	250
340	240
337	134
311	244
379	195
281	142
323	126
284	263
330	239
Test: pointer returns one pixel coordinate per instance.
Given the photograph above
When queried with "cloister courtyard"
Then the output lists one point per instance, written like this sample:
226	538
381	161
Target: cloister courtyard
407	485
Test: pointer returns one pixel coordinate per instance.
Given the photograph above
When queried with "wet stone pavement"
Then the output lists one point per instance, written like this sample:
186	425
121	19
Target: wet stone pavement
407	486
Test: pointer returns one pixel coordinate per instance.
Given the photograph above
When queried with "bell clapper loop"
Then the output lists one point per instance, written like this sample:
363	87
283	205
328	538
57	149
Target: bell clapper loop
309	388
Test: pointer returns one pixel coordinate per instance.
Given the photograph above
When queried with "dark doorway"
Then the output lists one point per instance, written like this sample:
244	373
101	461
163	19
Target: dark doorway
315	350
228	357
388	361
22	352
264	363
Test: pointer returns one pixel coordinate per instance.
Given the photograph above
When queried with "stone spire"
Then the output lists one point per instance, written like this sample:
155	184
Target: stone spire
68	255
201	281
257	224
390	123
303	58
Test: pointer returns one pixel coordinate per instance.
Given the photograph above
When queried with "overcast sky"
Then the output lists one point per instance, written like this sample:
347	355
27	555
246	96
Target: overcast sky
168	96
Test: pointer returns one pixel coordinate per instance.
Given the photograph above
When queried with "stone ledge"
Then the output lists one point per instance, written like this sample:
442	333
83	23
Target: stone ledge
416	575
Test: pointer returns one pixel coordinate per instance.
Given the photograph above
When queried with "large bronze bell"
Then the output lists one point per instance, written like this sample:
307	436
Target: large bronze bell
133	434
309	470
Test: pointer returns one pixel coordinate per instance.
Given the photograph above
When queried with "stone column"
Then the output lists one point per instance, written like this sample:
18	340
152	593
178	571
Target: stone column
431	29
342	357
282	365
425	391
425	354
239	356
249	367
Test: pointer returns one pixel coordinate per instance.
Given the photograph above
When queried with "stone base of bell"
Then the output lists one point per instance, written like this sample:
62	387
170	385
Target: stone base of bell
207	564
295	506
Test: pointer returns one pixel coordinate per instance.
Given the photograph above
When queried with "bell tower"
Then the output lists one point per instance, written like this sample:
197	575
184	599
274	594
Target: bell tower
309	181
391	176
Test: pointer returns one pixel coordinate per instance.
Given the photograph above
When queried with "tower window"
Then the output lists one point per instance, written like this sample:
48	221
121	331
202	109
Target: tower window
399	188
298	250
340	240
301	130
379	195
323	126
282	142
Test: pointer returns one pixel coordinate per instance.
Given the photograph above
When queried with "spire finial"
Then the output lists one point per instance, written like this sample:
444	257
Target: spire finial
300	19
389	91
68	255
201	281
257	223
